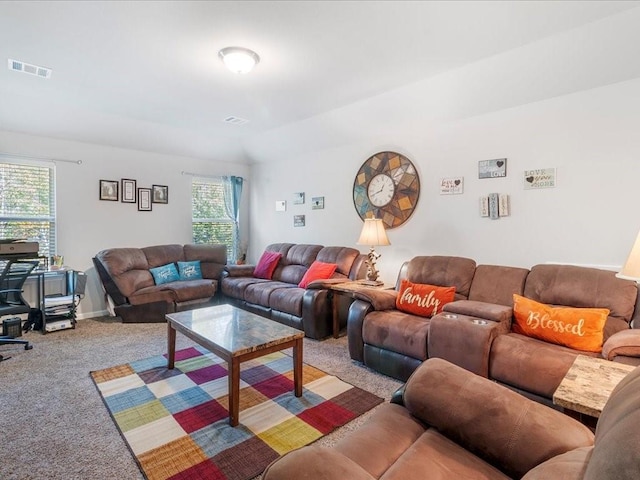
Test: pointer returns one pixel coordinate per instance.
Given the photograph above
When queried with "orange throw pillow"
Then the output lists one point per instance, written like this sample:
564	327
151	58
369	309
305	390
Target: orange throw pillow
421	299
317	271
579	328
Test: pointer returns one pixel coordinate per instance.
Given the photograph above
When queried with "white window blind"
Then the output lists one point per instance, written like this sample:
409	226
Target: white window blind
210	221
27	204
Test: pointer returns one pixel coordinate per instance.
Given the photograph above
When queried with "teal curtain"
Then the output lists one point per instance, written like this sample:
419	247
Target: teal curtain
232	193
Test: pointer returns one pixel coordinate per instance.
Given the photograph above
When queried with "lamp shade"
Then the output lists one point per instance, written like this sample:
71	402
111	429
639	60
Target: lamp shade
373	233
631	269
239	59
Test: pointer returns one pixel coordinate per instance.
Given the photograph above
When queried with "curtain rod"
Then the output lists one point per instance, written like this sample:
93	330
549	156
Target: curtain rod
205	176
41	159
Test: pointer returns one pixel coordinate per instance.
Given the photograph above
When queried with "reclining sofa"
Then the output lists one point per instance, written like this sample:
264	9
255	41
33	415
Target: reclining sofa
468	427
130	287
476	330
281	299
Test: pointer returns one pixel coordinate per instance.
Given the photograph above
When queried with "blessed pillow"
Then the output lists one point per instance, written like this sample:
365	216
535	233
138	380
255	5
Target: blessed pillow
422	299
189	270
579	328
165	274
317	271
267	265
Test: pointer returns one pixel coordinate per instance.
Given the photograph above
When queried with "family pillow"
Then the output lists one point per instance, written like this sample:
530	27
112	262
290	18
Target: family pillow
579	328
423	299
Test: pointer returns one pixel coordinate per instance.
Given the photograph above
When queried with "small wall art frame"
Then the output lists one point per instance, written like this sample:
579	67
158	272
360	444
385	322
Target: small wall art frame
539	178
160	194
492	168
452	186
298	198
144	200
129	191
109	190
317	203
298	220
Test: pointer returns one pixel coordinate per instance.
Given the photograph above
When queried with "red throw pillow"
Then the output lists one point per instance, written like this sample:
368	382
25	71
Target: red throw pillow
579	328
317	271
266	265
424	300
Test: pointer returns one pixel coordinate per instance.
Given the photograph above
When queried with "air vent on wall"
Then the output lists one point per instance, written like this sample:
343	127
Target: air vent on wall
18	66
235	120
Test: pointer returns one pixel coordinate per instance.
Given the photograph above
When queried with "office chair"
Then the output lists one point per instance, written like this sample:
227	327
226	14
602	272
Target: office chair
12	278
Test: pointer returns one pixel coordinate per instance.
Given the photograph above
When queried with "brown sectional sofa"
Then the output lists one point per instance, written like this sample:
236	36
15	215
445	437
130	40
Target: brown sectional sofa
452	424
130	287
475	332
280	298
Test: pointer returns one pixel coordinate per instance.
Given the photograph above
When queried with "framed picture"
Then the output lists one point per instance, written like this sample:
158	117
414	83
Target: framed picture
109	190
160	194
281	205
144	199
317	203
298	220
128	191
298	198
452	186
492	168
540	178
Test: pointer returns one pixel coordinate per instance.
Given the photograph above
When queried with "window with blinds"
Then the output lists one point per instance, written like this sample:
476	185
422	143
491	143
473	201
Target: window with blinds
28	205
210	221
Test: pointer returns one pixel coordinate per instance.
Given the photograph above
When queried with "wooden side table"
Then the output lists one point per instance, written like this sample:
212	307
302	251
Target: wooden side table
348	289
588	384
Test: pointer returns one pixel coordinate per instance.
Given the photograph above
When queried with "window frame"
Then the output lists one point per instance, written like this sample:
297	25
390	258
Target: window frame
50	248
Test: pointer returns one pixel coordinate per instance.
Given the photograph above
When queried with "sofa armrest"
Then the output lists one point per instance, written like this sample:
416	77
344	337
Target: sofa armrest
625	343
508	430
355	319
315	462
487	311
379	299
239	270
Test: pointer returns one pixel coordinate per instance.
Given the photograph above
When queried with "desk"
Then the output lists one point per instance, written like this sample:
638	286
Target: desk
588	384
348	289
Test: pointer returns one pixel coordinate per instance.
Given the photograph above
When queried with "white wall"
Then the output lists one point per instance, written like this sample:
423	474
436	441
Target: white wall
589	218
87	225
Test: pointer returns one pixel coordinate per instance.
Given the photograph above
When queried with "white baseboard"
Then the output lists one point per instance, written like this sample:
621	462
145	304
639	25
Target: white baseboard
99	313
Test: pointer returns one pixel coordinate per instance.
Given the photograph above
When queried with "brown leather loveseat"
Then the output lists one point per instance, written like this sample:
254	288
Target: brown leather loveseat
454	424
475	331
280	298
130	287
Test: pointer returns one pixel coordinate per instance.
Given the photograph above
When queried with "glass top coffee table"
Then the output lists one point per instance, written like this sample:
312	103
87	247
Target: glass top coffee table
235	336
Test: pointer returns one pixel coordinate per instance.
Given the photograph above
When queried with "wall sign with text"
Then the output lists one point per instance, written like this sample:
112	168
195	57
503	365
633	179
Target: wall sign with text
492	168
540	178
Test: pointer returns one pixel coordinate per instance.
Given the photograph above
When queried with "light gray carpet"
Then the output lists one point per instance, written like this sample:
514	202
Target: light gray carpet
53	424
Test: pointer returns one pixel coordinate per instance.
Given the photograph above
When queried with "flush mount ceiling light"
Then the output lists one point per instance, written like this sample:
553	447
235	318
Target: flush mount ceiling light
238	59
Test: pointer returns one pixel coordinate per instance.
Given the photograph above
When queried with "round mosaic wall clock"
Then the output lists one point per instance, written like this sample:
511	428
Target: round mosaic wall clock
387	186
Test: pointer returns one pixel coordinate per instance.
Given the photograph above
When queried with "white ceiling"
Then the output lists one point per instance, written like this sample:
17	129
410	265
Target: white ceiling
145	75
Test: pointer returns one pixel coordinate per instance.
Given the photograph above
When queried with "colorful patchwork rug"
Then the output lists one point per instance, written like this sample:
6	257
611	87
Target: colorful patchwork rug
176	425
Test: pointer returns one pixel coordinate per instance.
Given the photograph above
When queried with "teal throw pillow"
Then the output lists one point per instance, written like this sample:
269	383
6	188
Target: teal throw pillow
189	270
165	274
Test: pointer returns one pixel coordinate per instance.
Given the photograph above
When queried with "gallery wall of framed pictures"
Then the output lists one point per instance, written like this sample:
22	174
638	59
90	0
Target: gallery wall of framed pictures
127	191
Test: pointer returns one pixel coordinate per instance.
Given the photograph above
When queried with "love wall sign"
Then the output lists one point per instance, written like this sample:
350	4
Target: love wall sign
540	178
492	168
452	186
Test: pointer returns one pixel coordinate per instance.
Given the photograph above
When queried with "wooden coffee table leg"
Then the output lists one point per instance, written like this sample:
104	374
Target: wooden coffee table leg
234	391
171	345
297	367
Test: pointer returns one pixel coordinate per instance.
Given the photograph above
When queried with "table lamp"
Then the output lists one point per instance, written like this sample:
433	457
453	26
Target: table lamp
373	234
631	269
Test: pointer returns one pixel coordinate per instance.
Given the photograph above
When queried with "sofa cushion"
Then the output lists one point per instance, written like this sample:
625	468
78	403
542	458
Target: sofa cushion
190	270
421	299
435	456
529	364
443	271
343	257
568	466
582	287
317	271
234	287
186	290
579	328
398	332
213	258
165	274
266	265
296	262
497	284
287	300
128	267
154	293
158	255
259	293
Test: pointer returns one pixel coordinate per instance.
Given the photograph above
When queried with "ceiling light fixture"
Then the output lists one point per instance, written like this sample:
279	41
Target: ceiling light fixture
239	59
